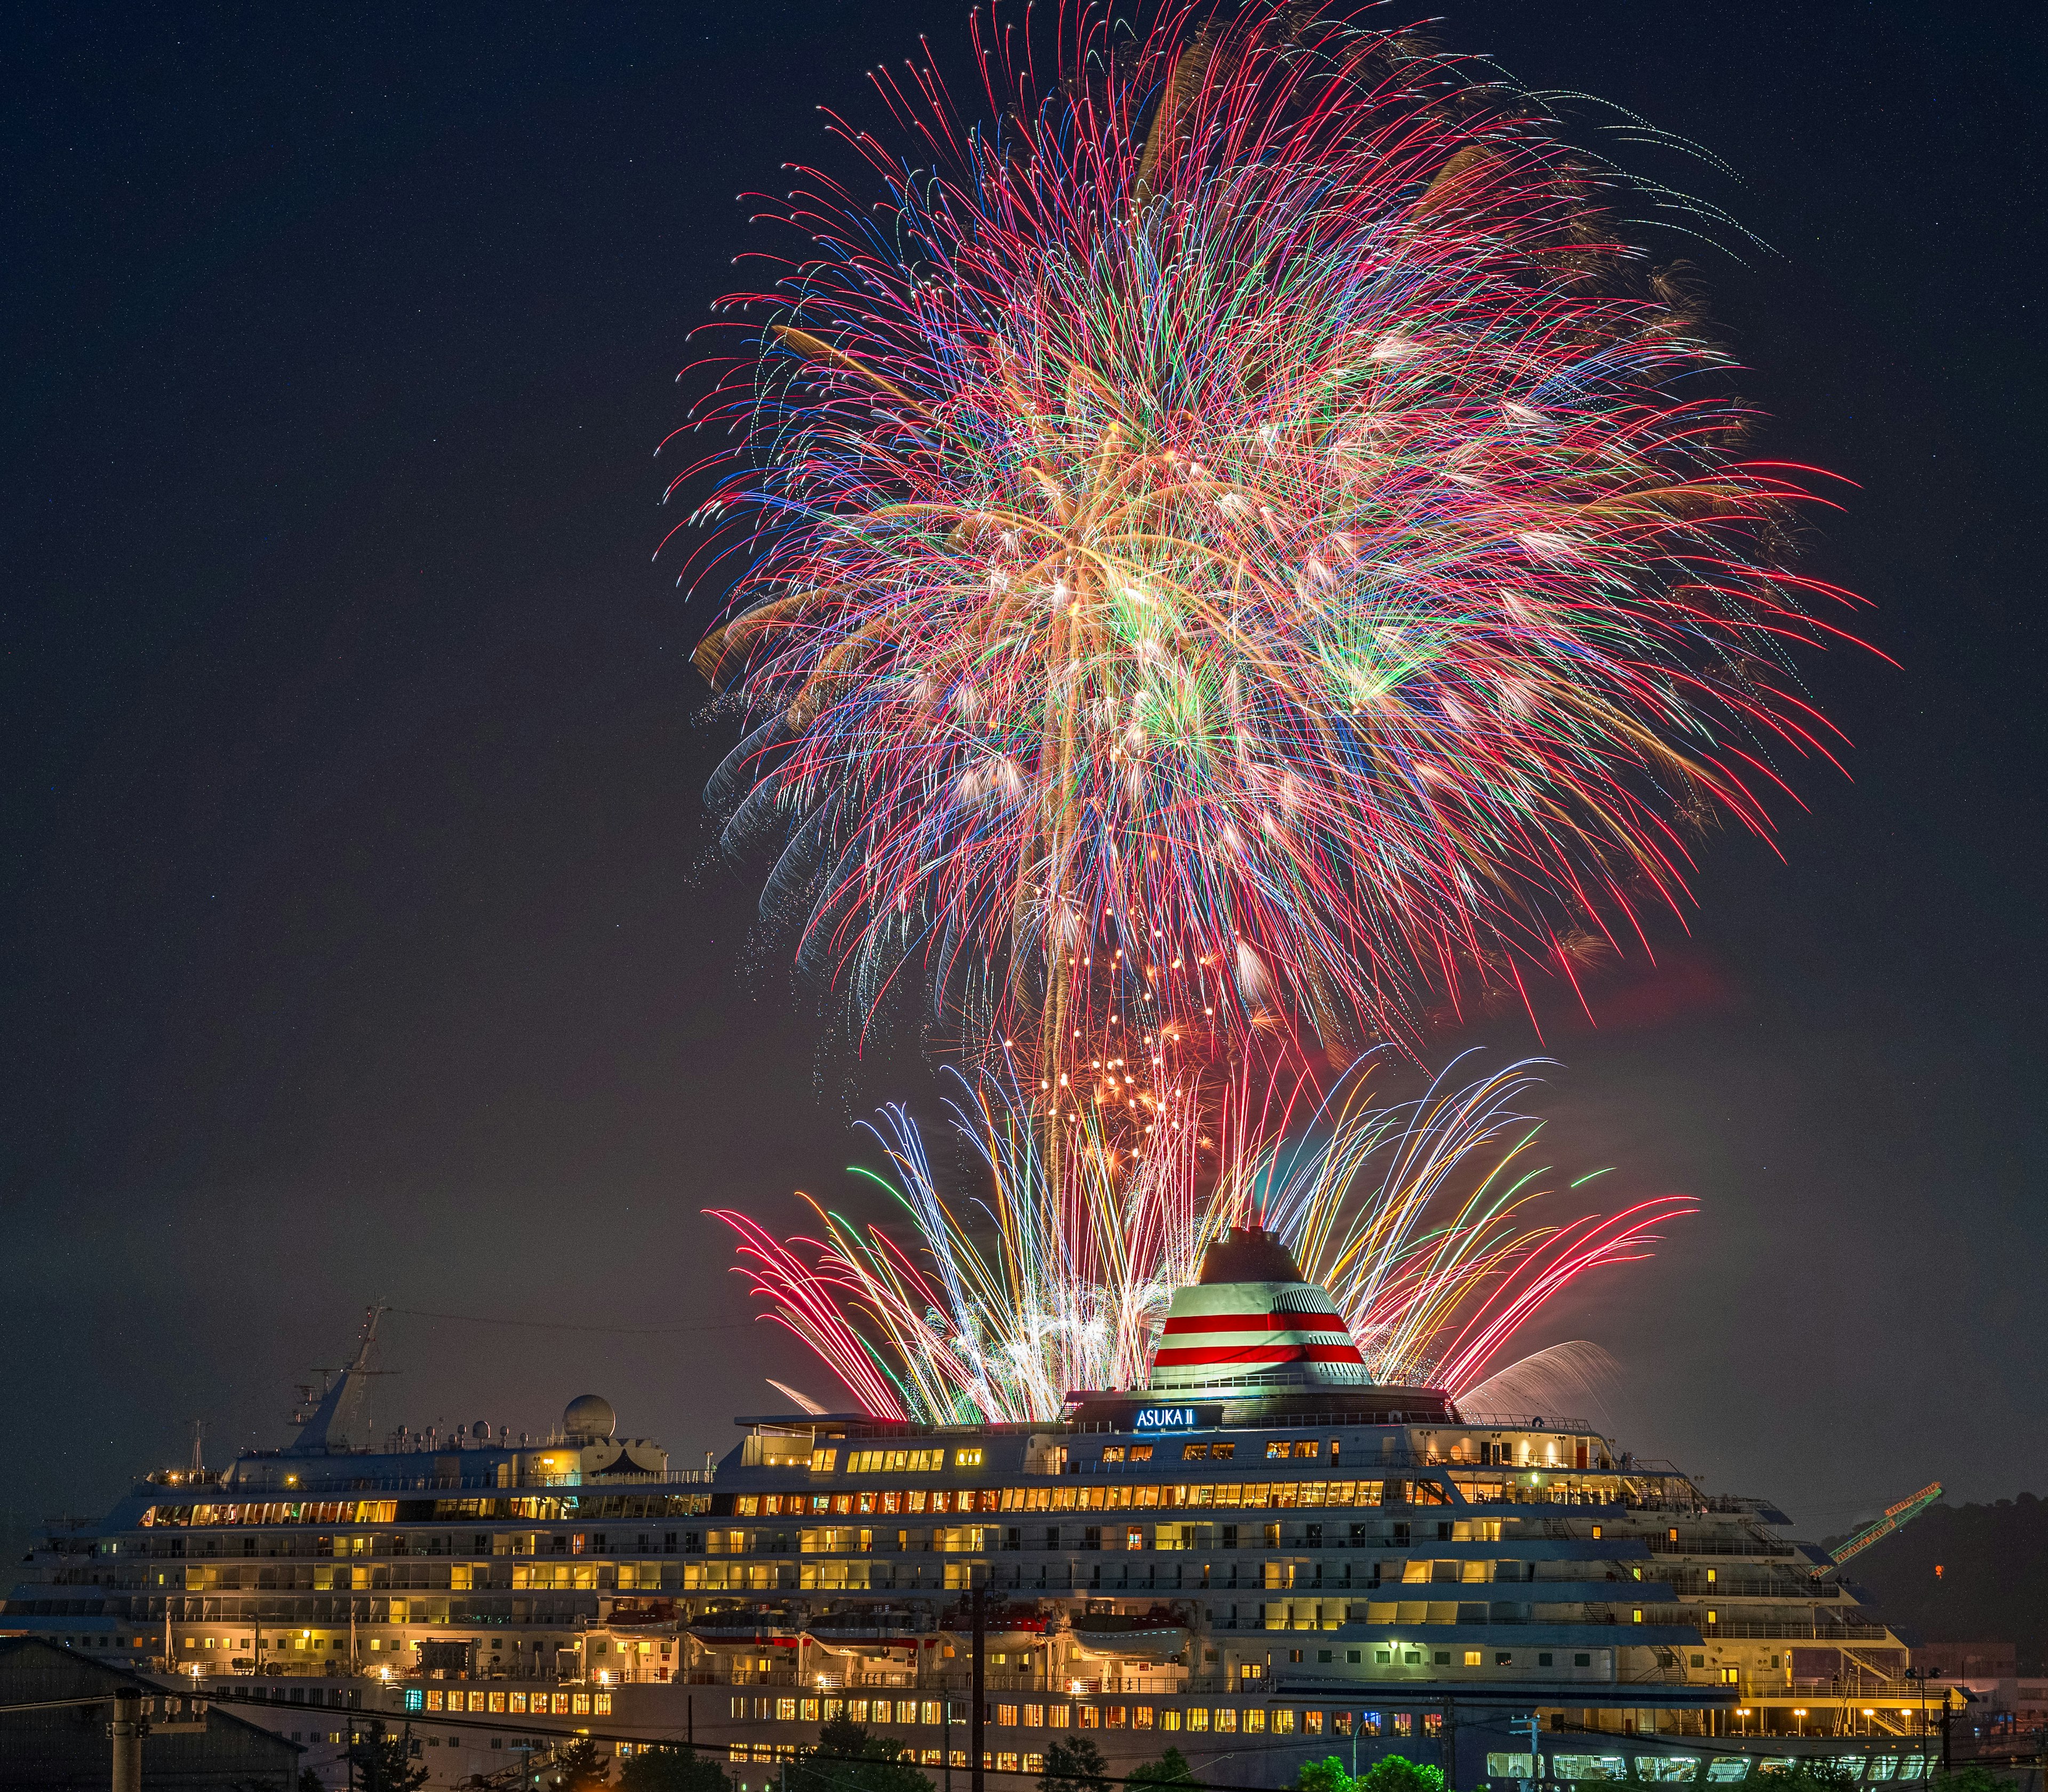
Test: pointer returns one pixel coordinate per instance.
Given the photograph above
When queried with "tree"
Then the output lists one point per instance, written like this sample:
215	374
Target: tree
1324	1776
1816	1774
1075	1766
383	1762
579	1767
1971	1777
309	1781
668	1767
1396	1773
848	1759
1170	1769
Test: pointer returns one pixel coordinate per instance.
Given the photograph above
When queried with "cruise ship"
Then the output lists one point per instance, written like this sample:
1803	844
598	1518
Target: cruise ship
1259	1558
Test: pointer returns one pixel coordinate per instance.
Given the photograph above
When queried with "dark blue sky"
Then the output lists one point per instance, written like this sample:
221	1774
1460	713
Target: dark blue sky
360	934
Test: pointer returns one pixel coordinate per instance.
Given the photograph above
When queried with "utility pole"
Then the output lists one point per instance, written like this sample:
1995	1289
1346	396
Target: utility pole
127	1734
978	1711
1921	1675
1533	1724
1450	1743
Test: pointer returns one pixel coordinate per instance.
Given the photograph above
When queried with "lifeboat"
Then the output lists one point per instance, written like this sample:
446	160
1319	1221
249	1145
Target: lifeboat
1159	1636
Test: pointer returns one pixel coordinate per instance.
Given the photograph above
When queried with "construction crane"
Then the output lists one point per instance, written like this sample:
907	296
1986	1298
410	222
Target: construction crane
1903	1513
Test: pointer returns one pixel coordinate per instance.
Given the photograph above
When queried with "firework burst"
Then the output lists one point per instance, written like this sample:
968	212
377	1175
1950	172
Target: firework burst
1055	1274
1247	534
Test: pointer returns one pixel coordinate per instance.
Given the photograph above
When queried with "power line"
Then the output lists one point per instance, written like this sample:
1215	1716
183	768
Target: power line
560	1325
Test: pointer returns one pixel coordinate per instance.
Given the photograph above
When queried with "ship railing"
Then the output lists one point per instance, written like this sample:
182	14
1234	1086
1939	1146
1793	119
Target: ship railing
1857	1686
1767	1630
928	1684
275	1489
1759	1546
1692	1586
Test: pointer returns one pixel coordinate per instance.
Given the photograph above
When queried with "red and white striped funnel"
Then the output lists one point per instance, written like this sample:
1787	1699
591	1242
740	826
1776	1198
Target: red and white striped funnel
1252	1325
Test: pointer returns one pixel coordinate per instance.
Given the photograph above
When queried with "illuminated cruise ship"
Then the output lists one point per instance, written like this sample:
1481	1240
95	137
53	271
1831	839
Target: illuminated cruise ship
1258	1558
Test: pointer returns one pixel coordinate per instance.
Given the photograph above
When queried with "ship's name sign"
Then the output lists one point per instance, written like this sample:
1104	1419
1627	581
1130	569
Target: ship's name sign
1164	1418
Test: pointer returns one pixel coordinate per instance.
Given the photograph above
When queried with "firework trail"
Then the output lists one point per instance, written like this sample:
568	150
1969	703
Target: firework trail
1247	534
1412	1215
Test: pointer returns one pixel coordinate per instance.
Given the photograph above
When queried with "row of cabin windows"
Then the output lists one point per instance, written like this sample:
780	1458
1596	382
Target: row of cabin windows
1063	1715
1055	1495
477	1544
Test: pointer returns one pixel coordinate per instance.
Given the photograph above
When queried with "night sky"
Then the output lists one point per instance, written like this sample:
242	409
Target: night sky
362	937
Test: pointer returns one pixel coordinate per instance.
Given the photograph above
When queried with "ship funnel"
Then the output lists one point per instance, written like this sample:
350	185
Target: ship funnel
1252	1325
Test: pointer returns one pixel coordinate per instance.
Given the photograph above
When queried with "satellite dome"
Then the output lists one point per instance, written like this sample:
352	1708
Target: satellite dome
588	1417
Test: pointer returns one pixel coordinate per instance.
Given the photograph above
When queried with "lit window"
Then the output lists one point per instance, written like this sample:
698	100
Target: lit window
1471	1658
967	1459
